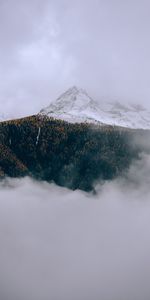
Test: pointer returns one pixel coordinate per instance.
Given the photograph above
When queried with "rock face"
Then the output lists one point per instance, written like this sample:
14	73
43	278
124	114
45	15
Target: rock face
71	155
76	106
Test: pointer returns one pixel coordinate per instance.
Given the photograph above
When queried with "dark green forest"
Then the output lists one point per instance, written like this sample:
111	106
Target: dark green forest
71	155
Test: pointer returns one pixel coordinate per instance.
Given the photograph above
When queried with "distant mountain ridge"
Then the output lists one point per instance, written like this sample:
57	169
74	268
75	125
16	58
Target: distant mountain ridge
76	106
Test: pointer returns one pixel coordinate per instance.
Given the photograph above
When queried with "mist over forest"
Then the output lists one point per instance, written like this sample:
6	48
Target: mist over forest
60	244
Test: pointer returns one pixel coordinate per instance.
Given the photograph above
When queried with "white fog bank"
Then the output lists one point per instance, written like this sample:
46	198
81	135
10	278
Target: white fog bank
60	245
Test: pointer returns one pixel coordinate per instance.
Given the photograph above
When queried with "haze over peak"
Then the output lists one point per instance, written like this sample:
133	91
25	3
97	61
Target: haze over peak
75	105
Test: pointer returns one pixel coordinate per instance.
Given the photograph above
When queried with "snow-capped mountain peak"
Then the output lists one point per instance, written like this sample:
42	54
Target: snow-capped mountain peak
75	106
74	99
75	94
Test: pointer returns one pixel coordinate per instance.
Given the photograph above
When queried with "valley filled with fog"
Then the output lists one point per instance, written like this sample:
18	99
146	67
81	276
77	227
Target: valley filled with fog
61	244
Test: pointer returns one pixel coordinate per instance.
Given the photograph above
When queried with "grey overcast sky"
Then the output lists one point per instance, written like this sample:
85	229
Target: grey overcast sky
48	46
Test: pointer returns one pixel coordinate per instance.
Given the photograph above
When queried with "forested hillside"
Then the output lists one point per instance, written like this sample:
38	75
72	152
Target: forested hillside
71	155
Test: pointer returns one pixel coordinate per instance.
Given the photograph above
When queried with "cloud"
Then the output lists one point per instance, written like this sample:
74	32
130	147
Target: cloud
59	244
47	46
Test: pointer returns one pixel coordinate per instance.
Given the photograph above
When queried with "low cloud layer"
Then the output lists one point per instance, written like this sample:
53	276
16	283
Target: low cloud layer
59	244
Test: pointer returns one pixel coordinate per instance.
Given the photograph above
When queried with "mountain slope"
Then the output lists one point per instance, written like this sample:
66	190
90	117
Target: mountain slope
71	142
75	105
71	155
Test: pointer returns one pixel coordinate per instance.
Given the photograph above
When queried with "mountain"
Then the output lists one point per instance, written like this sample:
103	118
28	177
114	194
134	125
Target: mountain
76	106
74	155
73	142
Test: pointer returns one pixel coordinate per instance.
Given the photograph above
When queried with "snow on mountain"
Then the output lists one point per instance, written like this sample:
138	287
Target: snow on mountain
5	117
75	105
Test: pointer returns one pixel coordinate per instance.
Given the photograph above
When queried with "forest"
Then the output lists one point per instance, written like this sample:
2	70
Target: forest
71	155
